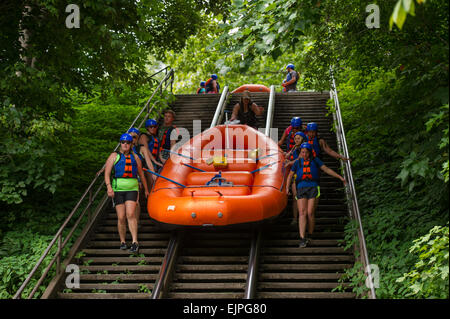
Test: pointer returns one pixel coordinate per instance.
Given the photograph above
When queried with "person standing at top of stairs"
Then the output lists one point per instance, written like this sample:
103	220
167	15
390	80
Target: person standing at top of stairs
202	88
290	83
212	86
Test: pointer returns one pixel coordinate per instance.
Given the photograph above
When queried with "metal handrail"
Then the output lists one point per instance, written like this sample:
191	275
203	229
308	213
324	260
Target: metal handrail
351	191
270	107
167	266
220	107
253	262
58	237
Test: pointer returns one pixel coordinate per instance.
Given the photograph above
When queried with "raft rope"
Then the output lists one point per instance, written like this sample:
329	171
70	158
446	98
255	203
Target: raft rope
170	180
198	169
264	167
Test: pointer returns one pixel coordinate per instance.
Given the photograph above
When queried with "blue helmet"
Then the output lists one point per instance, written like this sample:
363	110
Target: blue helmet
290	66
296	122
311	126
301	134
306	145
126	137
202	83
214	77
150	122
133	130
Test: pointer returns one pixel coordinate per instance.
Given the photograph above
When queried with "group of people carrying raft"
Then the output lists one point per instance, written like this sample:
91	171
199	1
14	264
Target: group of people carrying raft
148	151
303	151
138	152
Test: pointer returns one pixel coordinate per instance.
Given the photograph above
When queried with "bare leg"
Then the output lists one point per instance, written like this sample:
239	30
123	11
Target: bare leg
121	222
131	217
138	210
303	211
311	213
294	204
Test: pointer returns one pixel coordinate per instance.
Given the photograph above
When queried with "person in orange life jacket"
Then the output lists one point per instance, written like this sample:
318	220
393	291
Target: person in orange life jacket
149	145
306	167
167	141
134	132
290	131
124	188
211	85
290	83
202	88
318	144
291	157
246	111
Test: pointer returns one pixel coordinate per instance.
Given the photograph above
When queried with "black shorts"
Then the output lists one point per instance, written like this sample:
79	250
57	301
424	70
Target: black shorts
308	192
122	197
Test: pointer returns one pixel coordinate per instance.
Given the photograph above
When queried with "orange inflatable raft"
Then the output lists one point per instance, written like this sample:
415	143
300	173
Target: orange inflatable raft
252	88
227	175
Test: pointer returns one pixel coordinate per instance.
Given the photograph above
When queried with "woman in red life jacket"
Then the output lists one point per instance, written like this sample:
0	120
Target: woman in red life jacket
149	148
124	188
211	85
288	134
165	135
307	169
135	148
318	144
291	157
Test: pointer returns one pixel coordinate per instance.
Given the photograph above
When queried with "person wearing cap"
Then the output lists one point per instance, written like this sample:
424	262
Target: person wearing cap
212	86
288	134
246	111
123	189
165	135
202	88
306	168
318	144
290	83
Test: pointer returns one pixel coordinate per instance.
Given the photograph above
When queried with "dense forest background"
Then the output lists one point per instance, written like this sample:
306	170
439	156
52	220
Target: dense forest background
67	94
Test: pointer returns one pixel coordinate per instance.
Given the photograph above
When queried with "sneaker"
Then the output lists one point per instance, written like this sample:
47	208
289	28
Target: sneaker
303	243
134	248
123	246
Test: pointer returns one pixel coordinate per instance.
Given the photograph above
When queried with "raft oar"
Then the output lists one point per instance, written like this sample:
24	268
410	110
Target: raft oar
185	156
264	167
170	180
198	169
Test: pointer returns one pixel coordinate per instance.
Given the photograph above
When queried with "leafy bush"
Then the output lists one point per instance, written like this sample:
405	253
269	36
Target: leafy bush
96	125
429	278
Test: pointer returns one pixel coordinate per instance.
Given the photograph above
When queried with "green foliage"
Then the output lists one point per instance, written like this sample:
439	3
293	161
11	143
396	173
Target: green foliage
20	251
429	278
401	10
202	57
375	116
